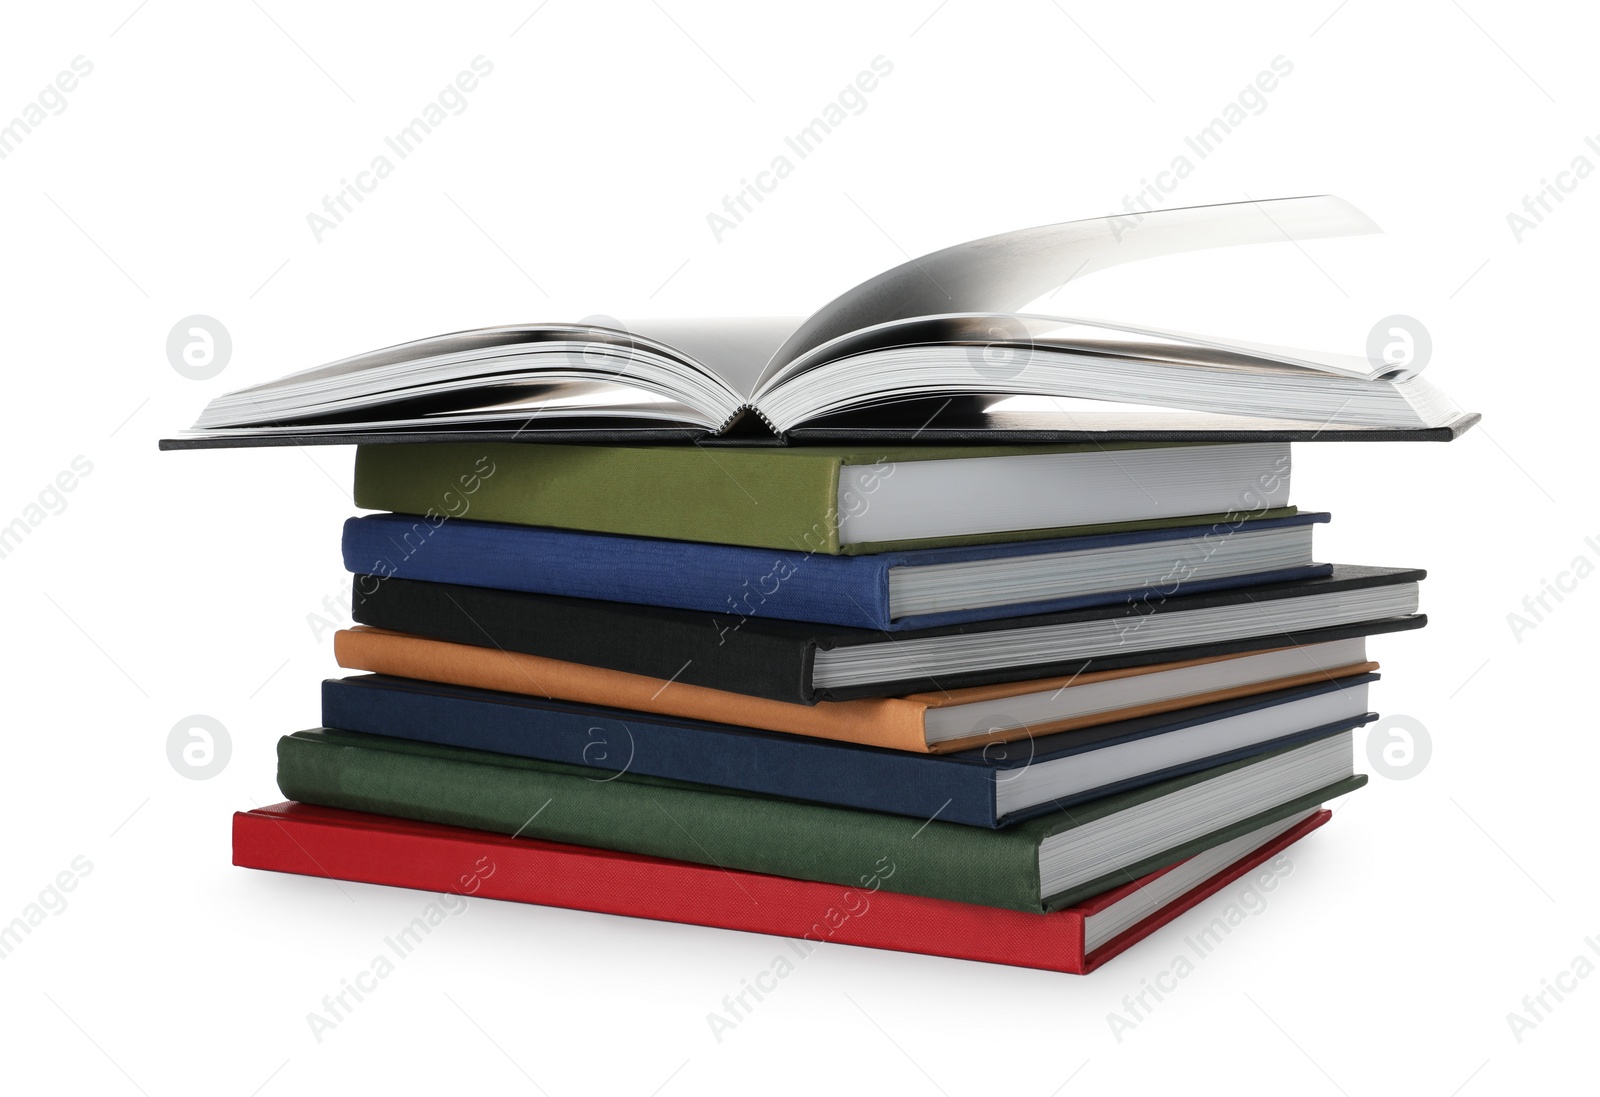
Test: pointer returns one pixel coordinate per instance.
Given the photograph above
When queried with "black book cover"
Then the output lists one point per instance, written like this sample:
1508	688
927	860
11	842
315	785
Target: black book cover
773	658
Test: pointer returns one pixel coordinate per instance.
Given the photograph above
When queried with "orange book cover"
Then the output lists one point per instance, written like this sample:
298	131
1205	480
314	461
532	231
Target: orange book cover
898	723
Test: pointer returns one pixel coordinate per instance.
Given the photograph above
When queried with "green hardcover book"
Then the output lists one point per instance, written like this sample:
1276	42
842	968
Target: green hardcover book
1037	865
830	499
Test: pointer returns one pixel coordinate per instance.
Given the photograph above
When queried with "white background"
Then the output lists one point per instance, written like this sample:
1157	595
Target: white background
578	179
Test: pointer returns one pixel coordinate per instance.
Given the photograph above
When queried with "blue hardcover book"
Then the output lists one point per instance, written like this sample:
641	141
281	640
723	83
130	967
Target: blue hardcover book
921	588
988	787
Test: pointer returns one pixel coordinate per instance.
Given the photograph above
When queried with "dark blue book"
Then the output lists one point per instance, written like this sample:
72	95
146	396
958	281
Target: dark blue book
989	787
920	588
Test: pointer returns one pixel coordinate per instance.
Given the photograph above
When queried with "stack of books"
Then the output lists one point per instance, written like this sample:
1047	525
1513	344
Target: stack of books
994	687
609	685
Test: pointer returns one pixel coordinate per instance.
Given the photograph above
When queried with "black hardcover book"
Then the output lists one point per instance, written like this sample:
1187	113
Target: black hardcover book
802	663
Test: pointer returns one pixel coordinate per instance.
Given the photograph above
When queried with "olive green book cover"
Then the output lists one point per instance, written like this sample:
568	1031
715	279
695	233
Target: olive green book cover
784	497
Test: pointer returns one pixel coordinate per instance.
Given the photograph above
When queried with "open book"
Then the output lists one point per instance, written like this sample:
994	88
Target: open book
924	351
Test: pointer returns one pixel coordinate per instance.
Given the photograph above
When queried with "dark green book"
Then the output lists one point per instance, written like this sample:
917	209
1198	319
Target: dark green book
830	499
1038	865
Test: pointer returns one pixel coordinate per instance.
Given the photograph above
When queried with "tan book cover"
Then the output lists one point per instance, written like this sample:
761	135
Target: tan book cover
893	722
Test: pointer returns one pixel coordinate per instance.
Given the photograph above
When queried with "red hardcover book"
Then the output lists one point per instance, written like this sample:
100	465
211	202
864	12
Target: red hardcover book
379	849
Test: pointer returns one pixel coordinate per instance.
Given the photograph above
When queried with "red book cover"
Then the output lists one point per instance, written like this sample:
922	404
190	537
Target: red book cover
379	849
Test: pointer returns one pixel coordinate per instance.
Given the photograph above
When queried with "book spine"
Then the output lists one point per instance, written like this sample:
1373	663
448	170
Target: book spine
712	650
659	818
917	785
767	498
738	581
369	849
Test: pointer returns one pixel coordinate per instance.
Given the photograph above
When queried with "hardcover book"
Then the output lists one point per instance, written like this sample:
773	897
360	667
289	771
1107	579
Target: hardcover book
925	350
1039	864
376	849
936	722
992	786
791	661
888	590
829	500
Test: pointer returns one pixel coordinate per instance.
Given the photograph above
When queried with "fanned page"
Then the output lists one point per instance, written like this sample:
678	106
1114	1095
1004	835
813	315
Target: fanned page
924	343
518	375
931	350
1096	364
1000	274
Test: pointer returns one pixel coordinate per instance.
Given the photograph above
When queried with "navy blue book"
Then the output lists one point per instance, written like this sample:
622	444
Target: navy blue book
920	588
989	787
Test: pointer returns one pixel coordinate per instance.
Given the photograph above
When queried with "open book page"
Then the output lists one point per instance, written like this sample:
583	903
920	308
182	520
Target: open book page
1168	345
733	349
955	357
940	332
1000	274
456	346
1017	335
687	370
